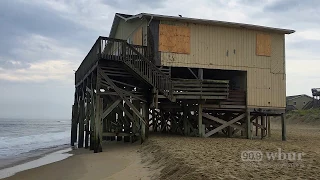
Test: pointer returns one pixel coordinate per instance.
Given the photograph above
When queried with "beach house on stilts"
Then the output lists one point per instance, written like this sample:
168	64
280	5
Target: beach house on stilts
179	75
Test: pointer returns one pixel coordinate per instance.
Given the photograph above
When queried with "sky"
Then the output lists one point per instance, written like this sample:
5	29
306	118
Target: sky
42	42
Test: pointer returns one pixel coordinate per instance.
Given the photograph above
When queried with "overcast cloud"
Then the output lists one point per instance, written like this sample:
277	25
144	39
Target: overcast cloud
42	42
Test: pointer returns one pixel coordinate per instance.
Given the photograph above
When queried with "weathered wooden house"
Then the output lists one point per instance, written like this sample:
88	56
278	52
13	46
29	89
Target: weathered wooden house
181	75
298	102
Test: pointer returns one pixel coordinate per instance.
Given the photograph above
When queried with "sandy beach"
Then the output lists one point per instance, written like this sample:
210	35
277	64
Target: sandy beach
177	157
118	161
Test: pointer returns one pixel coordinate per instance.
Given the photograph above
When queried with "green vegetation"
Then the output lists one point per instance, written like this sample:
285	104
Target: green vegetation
310	116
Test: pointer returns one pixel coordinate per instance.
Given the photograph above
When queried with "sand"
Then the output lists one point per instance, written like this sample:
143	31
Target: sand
177	157
220	158
118	161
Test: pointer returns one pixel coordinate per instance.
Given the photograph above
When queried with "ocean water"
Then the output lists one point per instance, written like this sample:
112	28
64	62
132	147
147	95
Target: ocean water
20	136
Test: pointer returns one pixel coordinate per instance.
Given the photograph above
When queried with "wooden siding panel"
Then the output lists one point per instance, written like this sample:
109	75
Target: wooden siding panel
277	61
153	40
174	39
126	30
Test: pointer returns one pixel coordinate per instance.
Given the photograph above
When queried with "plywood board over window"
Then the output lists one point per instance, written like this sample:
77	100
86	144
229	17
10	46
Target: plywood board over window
138	37
263	45
175	39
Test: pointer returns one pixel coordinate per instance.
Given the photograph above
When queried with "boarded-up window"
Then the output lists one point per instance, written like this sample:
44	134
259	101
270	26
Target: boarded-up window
263	45
137	37
175	39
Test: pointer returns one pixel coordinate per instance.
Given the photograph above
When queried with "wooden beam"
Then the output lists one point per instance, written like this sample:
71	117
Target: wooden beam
110	108
206	115
224	125
192	73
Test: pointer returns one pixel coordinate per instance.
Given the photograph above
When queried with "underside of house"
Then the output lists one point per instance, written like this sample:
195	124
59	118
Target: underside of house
152	80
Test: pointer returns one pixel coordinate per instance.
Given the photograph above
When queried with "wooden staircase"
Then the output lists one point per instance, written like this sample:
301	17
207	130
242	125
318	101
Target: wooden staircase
135	58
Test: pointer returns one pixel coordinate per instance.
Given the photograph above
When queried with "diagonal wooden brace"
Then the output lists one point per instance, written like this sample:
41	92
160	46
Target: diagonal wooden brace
110	108
224	125
206	115
122	96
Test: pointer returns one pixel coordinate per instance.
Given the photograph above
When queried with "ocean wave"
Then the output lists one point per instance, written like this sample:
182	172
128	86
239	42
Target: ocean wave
12	146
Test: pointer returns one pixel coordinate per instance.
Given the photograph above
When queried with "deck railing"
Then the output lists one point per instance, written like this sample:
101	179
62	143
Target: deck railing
133	56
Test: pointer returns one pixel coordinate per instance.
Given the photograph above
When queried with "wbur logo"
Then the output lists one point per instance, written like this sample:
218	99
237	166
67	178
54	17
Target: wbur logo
271	156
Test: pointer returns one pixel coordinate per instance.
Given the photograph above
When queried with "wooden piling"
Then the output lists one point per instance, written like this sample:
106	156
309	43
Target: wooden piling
269	126
248	123
86	126
257	128
263	130
92	121
143	129
98	113
283	126
74	126
81	123
200	120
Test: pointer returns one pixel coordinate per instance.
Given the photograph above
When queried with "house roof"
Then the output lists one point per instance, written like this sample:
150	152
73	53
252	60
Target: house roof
289	98
128	17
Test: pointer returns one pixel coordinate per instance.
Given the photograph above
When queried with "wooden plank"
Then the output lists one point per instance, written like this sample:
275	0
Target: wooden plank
206	115
181	84
224	125
204	81
119	134
198	97
200	93
137	37
263	44
176	88
175	39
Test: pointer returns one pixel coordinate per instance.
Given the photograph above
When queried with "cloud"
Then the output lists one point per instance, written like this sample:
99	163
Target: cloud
46	71
134	4
42	42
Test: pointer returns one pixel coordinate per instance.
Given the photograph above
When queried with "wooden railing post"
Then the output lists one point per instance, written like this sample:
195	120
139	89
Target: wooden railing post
99	46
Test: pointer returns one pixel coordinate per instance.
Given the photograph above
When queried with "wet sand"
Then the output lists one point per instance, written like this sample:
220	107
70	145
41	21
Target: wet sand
29	156
118	161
